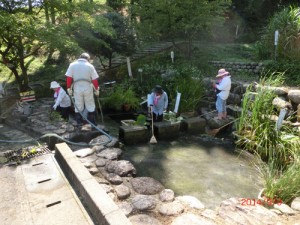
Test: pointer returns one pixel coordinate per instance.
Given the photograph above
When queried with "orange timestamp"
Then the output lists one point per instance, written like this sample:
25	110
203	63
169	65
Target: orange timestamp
265	201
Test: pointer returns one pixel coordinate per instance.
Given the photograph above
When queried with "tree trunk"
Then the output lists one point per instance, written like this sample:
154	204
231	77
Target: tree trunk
52	12
46	7
30	6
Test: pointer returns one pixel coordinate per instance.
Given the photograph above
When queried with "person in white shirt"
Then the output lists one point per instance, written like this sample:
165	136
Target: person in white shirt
83	77
62	100
158	102
224	87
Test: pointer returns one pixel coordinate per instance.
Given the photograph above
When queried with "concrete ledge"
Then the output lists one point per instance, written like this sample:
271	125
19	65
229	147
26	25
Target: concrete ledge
100	205
133	134
194	125
166	130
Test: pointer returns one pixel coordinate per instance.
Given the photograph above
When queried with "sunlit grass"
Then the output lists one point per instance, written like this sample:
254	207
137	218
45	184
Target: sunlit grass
278	149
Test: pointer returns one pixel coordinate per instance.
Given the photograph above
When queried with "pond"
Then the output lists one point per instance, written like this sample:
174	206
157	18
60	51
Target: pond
201	166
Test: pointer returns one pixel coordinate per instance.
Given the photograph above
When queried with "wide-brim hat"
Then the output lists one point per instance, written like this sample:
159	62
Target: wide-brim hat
222	72
54	84
158	89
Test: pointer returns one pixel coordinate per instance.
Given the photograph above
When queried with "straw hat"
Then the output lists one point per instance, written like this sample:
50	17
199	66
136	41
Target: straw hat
54	84
222	72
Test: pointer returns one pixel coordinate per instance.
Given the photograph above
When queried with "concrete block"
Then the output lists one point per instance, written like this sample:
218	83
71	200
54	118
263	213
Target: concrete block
166	129
194	125
133	134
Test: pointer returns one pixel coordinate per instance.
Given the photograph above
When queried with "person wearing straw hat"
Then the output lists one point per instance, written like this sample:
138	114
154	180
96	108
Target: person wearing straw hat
224	86
62	100
158	102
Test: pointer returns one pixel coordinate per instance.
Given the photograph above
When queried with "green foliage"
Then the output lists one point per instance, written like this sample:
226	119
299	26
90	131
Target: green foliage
282	184
189	83
176	19
287	22
121	95
257	130
141	120
55	116
289	68
279	149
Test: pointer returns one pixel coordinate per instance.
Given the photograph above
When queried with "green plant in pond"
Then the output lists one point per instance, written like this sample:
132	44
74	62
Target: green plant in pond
189	83
257	130
171	116
120	96
281	184
141	120
279	149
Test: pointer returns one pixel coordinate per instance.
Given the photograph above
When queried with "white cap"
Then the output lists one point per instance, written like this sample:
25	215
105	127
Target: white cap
54	84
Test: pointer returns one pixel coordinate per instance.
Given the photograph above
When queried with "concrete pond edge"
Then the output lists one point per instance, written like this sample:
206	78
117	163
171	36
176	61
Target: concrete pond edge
101	207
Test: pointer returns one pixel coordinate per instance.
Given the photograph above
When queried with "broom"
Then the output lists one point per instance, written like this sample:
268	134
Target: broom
213	132
153	139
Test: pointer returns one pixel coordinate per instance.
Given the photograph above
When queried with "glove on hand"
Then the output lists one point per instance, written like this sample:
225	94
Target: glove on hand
70	92
54	107
97	92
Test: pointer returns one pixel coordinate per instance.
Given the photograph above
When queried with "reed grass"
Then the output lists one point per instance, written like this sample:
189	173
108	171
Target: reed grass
278	149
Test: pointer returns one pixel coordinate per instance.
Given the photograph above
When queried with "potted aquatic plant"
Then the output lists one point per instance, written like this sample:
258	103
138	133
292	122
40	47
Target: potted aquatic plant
130	100
122	99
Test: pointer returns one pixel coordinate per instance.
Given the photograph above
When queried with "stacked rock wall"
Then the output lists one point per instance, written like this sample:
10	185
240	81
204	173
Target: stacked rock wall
249	67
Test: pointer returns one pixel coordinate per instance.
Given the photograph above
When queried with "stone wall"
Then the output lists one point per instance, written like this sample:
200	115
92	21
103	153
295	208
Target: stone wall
249	67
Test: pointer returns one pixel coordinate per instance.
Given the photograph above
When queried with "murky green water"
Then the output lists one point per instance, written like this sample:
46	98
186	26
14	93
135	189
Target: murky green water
203	166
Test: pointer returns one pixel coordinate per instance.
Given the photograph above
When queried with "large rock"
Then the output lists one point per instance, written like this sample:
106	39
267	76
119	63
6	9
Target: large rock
294	96
296	204
171	208
281	103
122	191
146	185
113	178
144	202
121	167
234	212
84	152
167	195
190	201
110	153
284	208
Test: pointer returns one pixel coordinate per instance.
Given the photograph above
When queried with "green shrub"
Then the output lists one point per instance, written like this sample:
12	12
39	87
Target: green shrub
289	68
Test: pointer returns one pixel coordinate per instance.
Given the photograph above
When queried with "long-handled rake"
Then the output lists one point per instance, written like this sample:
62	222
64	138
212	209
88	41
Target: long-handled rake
153	139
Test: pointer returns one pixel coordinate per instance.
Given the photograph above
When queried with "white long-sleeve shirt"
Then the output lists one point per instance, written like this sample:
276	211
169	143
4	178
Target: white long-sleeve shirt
162	103
224	86
61	98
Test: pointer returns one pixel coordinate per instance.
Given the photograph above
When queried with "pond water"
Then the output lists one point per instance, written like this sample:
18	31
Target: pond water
201	166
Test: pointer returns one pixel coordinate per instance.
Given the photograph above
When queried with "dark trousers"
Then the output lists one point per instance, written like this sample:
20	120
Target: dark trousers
64	112
157	117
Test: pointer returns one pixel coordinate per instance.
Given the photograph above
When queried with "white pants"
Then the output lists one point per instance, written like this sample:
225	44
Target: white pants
84	99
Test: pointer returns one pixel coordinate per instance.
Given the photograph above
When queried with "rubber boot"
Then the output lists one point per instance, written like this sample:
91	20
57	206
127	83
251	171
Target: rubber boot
78	119
92	117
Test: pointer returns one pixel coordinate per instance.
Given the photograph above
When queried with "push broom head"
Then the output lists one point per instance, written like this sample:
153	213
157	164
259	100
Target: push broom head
153	140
